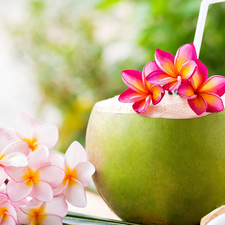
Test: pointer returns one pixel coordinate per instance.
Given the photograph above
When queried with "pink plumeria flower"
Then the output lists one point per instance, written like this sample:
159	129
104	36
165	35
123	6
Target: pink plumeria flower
202	94
78	172
28	129
36	180
8	215
11	153
140	92
42	213
172	71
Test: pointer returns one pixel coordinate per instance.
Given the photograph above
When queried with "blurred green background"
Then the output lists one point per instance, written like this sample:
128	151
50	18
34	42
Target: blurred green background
78	48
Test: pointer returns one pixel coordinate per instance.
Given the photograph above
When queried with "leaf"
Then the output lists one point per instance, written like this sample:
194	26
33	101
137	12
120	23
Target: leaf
80	219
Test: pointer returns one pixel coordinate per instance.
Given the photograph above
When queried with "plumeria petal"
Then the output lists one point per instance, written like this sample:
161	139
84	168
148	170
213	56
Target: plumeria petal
47	134
165	61
142	105
184	53
17	191
37	159
17	174
33	204
157	94
75	154
75	195
16	159
3	198
56	220
52	175
133	79
25	125
84	172
200	75
18	146
61	209
42	191
159	78
149	68
5	139
56	159
215	84
214	102
3	176
130	95
172	85
186	91
198	105
59	189
187	70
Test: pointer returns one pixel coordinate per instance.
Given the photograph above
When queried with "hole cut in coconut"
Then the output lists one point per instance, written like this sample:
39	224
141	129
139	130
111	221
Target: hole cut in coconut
170	107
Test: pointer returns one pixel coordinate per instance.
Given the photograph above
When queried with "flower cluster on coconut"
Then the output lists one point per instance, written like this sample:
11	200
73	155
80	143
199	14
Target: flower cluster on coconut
36	184
183	74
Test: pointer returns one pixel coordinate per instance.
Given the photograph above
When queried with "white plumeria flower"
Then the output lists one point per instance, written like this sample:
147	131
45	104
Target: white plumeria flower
42	213
11	153
36	136
78	172
8	215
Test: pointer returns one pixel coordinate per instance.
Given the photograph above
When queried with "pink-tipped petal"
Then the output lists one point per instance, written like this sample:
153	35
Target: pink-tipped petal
75	195
25	125
142	105
59	189
18	146
16	159
56	159
165	61
42	191
198	105
75	154
186	91
15	173
84	172
17	191
33	204
184	53
214	102
3	198
129	96
159	78
47	134
133	79
52	175
187	70
5	139
61	209
200	75
3	176
157	94
43	220
215	84
37	159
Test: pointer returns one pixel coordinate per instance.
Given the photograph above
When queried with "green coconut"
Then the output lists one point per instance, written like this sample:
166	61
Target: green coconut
166	167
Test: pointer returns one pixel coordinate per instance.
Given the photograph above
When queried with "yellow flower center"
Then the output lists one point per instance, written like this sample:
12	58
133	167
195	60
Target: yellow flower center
31	177
31	143
70	176
3	211
36	215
